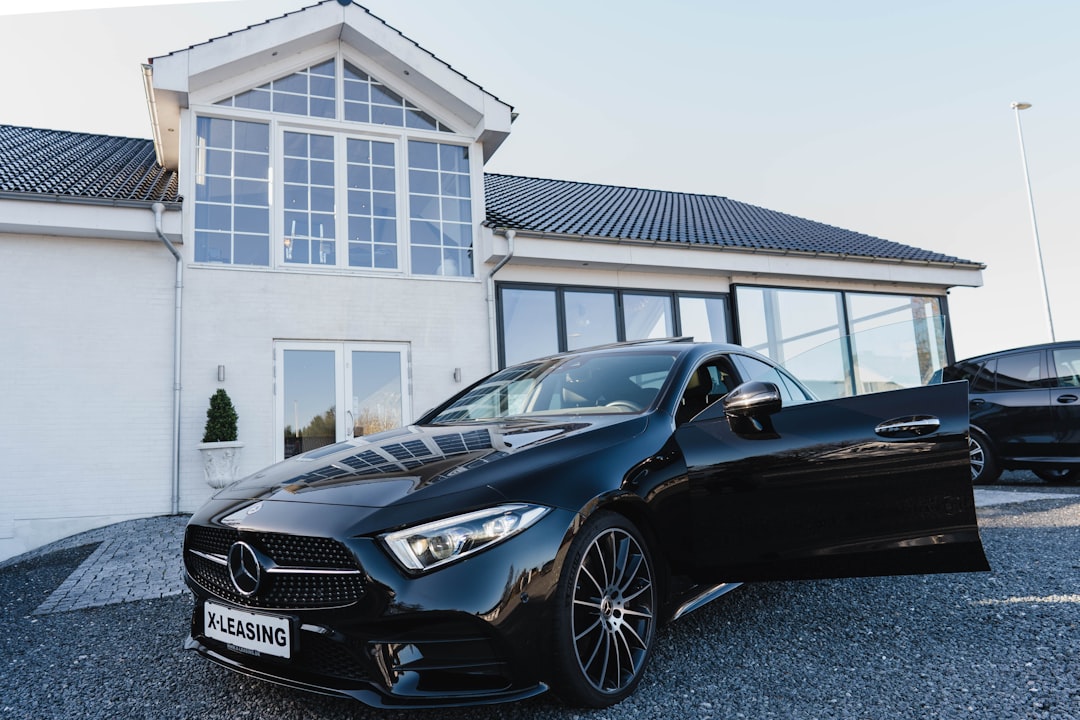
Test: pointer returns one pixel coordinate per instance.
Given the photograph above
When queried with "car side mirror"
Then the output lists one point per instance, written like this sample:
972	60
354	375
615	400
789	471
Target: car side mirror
753	399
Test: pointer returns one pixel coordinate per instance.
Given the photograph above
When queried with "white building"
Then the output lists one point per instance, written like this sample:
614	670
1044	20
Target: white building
345	263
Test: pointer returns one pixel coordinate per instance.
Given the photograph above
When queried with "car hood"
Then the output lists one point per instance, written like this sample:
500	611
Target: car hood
421	462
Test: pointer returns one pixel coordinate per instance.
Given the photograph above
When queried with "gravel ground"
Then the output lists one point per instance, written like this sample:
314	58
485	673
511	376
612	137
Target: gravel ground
1004	644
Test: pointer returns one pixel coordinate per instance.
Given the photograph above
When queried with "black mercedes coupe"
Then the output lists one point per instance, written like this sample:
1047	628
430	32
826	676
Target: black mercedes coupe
534	531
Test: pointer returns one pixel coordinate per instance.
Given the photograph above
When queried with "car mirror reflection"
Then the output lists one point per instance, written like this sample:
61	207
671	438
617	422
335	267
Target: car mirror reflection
752	399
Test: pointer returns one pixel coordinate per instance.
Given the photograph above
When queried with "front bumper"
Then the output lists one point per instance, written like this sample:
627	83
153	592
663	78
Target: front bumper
416	671
473	632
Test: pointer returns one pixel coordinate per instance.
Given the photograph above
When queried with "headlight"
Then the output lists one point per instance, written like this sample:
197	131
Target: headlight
430	545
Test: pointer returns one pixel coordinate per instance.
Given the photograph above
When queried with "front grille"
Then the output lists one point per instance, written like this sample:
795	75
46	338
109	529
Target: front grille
312	572
215	541
309	552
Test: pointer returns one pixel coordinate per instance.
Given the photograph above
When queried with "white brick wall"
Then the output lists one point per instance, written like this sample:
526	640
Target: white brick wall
86	368
85	384
232	318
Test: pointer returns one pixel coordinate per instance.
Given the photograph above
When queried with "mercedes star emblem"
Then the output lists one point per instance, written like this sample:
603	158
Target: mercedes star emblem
244	568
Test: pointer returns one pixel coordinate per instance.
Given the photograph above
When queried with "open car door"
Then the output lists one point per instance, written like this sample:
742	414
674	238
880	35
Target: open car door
870	485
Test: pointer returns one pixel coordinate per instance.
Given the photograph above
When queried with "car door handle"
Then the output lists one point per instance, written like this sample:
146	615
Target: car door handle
1067	398
913	426
977	402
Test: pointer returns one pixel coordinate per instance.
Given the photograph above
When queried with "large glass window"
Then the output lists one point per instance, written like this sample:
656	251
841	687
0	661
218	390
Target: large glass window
333	391
530	327
842	344
369	101
341	192
309	199
896	340
313	92
704	318
372	204
310	92
590	319
440	209
232	192
798	329
537	321
648	316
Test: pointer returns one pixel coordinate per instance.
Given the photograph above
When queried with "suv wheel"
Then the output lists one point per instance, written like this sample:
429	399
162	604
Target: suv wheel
984	466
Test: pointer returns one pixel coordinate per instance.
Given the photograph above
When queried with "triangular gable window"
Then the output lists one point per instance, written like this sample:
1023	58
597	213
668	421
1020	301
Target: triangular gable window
369	101
310	92
313	92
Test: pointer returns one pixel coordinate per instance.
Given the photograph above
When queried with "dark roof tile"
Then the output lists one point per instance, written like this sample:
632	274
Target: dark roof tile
82	165
584	209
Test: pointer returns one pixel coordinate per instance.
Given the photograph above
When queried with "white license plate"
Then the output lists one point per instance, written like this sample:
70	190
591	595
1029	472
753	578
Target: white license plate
248	632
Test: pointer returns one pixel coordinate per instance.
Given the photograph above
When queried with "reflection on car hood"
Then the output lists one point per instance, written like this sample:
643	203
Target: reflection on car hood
378	470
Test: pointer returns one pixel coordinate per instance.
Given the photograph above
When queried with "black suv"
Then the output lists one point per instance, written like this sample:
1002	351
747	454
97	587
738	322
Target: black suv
1025	411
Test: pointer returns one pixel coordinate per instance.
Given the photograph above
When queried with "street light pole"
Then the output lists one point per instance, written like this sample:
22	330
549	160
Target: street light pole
1017	107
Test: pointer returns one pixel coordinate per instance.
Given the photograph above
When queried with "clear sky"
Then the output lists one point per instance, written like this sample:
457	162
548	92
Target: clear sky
890	118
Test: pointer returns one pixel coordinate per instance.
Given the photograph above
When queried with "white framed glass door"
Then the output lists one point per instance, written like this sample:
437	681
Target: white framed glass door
327	392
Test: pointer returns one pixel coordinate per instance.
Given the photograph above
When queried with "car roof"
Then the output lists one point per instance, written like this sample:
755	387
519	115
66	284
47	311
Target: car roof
680	345
1024	348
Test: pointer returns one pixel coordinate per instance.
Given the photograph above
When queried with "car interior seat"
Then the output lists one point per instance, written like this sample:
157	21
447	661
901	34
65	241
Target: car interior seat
696	396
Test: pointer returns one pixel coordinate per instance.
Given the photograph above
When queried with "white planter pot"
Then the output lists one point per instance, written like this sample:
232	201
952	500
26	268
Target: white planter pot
221	462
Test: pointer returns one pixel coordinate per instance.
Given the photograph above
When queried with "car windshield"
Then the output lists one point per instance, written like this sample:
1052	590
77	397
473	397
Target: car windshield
594	383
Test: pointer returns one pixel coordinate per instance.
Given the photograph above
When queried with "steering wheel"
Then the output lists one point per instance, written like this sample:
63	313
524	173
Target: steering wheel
624	404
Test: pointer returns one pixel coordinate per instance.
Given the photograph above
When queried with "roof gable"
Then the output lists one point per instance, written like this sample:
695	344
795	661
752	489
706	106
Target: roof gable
561	207
172	79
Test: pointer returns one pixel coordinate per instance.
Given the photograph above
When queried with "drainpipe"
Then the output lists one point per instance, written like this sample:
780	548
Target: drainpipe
492	320
159	209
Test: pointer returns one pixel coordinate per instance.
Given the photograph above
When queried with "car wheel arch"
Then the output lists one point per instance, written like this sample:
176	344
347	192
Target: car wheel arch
635	509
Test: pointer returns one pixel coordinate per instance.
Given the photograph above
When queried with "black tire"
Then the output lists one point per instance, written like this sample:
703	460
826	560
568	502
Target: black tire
1059	476
605	614
985	469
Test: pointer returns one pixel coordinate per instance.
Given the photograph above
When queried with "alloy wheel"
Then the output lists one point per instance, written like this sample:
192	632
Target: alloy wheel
977	455
985	469
613	617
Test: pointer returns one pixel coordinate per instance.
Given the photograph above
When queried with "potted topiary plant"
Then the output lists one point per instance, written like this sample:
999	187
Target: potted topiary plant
219	448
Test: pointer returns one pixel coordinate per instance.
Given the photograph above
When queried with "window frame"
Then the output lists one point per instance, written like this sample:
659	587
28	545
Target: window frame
341	131
1054	366
341	213
202	162
1040	382
559	306
846	324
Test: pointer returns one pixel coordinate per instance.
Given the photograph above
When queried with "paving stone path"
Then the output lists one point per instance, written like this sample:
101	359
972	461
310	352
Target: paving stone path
136	560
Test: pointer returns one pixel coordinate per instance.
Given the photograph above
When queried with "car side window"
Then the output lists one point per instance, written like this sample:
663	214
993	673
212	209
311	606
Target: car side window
967	370
982	376
709	382
1065	371
1022	371
754	369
